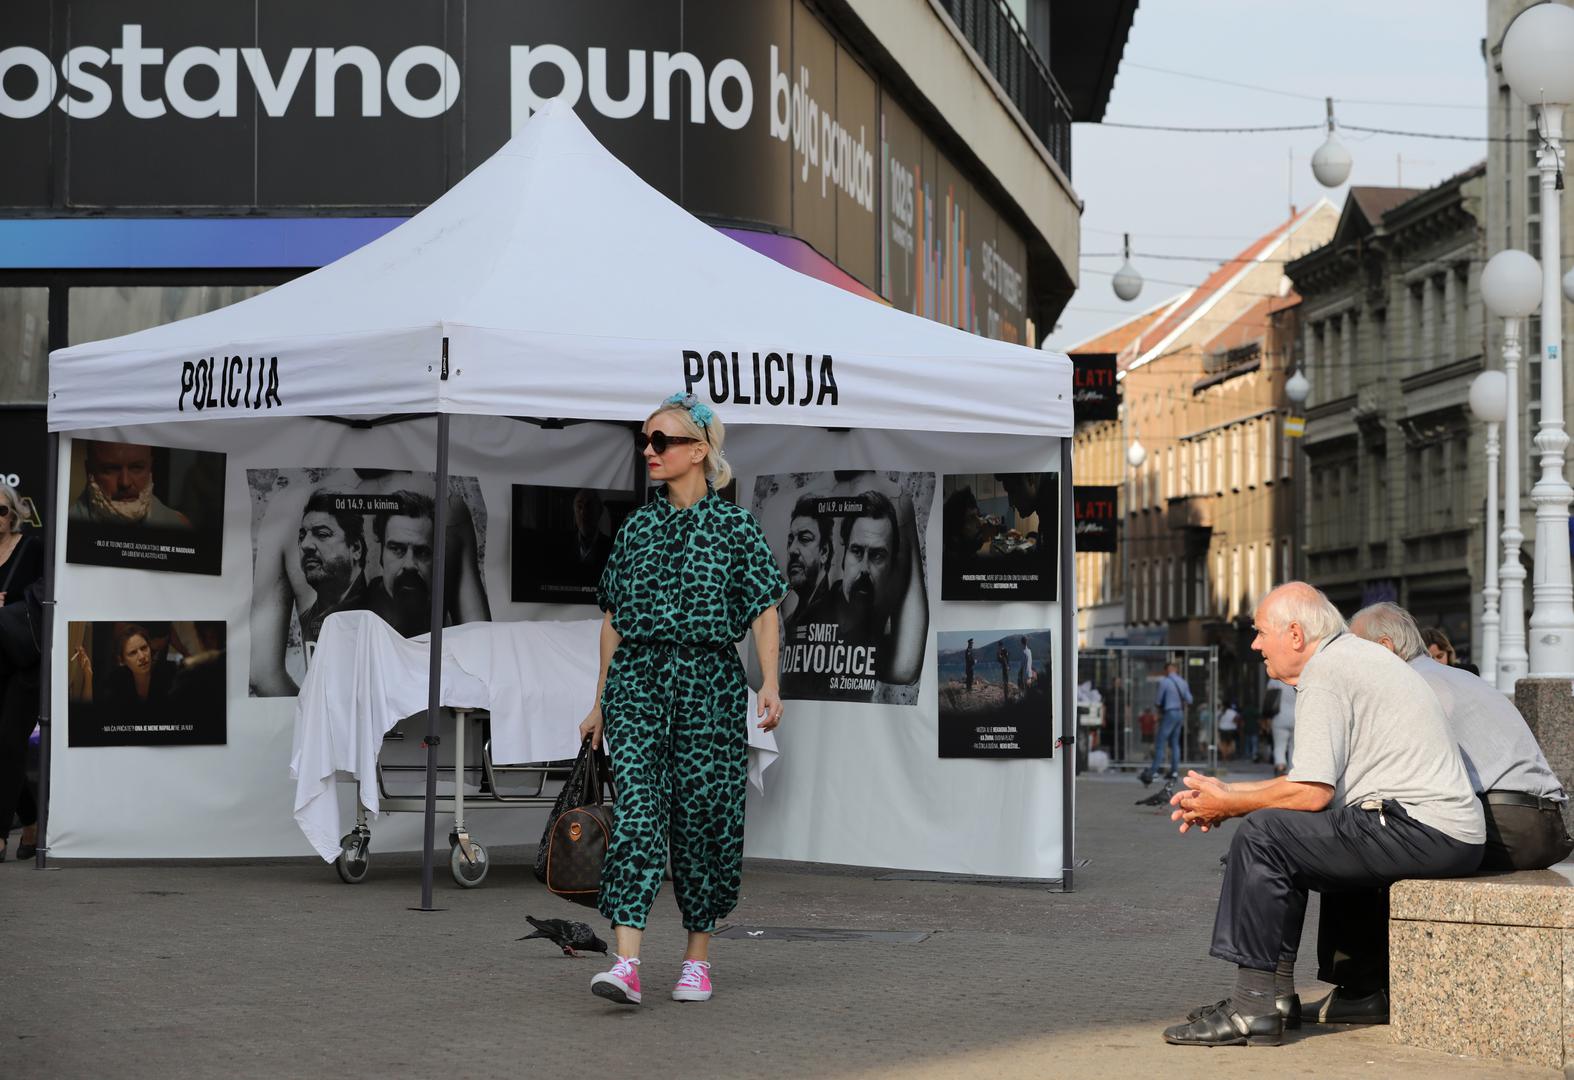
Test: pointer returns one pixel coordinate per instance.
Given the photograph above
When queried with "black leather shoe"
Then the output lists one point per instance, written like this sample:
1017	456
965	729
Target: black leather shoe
1146	777
1289	1006
26	851
1339	1007
1221	1025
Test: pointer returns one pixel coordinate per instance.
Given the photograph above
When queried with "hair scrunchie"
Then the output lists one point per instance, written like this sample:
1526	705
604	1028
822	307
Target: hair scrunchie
700	411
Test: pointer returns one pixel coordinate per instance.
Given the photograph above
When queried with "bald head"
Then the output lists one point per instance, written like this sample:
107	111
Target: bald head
1291	621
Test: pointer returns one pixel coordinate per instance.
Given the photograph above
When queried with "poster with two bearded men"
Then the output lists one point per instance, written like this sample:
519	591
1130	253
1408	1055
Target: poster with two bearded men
855	621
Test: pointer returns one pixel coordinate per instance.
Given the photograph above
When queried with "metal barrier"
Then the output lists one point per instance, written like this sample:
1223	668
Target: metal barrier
1116	688
993	31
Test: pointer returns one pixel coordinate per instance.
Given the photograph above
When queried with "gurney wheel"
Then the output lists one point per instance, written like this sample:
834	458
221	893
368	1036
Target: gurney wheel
354	859
468	874
352	871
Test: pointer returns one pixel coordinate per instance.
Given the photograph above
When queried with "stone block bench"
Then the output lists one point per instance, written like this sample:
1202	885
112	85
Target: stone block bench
1484	966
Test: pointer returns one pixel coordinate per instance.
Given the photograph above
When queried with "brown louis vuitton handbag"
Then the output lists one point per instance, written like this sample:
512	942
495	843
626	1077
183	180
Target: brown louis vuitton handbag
577	841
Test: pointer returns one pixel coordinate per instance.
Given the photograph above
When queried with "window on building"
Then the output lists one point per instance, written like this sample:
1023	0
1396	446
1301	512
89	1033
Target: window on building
1234	606
24	346
1286	563
1286	450
1253	461
1199	585
1166	569
1221	587
1415	333
1235	458
1249	595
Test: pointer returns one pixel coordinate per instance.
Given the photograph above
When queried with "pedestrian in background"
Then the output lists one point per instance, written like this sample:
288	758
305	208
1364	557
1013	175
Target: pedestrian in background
1171	700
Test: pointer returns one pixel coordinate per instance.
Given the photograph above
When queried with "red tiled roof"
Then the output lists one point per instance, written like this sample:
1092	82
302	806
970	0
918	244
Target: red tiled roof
1119	338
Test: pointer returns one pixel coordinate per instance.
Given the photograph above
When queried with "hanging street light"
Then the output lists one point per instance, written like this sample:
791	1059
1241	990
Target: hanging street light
1331	163
1538	63
1511	290
1136	453
1127	283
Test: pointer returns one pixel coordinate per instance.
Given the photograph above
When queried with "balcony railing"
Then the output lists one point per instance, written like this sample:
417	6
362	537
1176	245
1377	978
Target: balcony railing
996	35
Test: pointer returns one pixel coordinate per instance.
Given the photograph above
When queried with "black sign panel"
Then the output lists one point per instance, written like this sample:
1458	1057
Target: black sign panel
1095	393
24	457
1097	512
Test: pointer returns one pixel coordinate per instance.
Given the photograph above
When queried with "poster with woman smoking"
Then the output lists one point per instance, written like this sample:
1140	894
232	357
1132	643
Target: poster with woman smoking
145	683
326	540
855	620
999	536
994	693
145	507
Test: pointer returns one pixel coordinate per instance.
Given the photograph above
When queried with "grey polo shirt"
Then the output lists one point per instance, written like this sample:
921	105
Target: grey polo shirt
1500	752
1368	725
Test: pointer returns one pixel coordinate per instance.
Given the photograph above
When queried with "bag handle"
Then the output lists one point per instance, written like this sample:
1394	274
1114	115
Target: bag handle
598	773
16	561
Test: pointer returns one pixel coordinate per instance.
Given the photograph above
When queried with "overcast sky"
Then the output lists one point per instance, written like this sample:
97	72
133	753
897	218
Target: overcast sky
1210	195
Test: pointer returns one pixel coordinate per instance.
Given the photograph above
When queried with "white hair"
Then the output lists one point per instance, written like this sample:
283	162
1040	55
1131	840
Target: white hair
1302	604
718	470
1388	620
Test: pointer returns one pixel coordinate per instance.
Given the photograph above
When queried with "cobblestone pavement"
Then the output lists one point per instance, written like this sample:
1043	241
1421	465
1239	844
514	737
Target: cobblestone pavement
275	969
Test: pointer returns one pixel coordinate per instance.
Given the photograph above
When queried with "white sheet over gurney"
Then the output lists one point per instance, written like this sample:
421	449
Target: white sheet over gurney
537	679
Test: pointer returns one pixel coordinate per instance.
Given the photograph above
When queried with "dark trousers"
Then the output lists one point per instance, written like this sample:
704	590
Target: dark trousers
1352	927
18	713
1278	856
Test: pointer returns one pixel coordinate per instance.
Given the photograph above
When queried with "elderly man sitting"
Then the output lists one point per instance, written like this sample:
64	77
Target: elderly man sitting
1521	797
1374	754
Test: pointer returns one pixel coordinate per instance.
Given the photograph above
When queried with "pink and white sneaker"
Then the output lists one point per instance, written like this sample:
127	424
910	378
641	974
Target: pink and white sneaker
621	984
694	983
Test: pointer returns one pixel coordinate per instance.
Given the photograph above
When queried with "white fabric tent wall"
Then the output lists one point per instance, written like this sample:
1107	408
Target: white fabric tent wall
553	282
873	765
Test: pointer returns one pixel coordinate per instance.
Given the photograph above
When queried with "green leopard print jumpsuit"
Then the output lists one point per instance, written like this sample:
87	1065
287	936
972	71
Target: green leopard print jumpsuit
682	587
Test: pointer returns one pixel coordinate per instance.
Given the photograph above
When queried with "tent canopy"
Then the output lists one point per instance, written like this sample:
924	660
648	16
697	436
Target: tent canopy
554	282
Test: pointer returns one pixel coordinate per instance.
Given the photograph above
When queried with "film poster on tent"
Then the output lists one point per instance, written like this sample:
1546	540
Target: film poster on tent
856	618
561	539
1000	536
145	683
145	507
995	693
327	540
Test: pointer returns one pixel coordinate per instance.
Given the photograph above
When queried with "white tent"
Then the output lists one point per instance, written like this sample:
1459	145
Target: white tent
553	283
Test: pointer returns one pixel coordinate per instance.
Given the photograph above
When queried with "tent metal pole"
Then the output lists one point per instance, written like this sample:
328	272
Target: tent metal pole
434	672
49	503
1068	652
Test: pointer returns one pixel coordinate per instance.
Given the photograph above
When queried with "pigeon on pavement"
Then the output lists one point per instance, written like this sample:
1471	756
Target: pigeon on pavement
1160	797
574	938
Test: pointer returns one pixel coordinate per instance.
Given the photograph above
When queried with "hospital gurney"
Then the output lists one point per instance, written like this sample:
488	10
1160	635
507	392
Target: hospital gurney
534	681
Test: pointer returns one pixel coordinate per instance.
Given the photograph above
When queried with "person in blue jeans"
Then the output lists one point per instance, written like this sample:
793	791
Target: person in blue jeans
1173	697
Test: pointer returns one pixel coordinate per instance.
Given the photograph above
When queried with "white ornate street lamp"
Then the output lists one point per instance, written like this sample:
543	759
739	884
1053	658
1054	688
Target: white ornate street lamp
1538	62
1511	289
1489	402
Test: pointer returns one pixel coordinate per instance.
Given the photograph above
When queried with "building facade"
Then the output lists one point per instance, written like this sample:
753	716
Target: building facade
1208	516
1391	337
166	159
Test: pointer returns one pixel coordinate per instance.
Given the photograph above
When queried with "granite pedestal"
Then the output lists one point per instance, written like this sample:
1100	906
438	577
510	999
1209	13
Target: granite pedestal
1484	966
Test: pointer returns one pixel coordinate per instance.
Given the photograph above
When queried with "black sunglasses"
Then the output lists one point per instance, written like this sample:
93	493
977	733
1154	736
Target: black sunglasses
660	440
5	511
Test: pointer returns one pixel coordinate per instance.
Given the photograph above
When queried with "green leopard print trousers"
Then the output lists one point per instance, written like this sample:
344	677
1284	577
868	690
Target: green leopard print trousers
676	731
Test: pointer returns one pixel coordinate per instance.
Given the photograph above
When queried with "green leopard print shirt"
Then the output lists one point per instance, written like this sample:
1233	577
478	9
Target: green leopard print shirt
698	576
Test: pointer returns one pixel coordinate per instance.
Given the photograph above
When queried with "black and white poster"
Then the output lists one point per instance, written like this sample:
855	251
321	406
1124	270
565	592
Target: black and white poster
561	539
24	457
1096	509
147	683
145	507
995	693
326	540
1000	536
856	618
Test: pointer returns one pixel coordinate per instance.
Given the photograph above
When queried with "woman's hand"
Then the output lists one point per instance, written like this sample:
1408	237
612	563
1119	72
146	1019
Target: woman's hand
80	658
770	708
592	726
